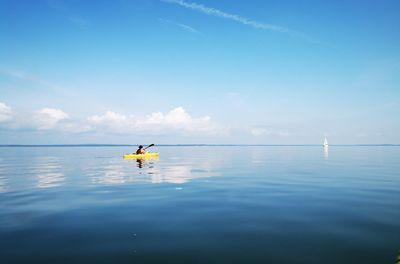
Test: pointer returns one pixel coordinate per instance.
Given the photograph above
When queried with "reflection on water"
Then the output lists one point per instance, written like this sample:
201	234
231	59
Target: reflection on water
3	178
49	172
326	152
110	174
147	162
116	171
268	205
173	174
119	171
177	174
140	163
3	184
105	171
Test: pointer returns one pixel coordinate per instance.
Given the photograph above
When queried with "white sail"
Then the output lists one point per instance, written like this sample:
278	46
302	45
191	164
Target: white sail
325	142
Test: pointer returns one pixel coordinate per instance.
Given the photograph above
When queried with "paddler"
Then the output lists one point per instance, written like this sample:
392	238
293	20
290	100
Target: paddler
140	150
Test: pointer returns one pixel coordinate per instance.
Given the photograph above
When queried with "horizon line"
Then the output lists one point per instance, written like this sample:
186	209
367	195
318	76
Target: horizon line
186	145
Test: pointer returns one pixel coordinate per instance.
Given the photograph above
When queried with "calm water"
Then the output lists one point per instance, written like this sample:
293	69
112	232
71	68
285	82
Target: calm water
200	205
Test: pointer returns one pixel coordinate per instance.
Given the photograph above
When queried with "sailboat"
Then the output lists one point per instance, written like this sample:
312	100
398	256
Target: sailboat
325	143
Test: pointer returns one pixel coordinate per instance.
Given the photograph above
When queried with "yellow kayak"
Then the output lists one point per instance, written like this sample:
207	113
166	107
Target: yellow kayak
142	156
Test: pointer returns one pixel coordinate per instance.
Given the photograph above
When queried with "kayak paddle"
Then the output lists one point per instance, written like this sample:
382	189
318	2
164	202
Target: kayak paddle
149	146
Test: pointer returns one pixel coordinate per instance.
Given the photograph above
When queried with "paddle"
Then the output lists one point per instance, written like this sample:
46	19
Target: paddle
149	146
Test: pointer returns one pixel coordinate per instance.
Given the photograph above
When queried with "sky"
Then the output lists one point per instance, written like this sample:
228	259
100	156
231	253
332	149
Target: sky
199	72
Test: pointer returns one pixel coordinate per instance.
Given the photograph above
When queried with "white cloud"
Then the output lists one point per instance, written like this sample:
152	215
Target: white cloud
157	123
111	122
5	113
177	119
109	116
174	122
48	118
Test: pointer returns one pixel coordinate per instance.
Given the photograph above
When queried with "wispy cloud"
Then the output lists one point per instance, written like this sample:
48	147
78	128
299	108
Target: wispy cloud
187	28
29	77
270	131
35	79
182	26
243	20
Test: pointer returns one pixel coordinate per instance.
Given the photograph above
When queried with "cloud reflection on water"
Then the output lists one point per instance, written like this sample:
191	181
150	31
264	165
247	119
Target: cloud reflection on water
173	174
155	171
177	174
49	172
110	174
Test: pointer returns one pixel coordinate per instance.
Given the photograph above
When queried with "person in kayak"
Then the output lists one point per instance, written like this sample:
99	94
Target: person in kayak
140	150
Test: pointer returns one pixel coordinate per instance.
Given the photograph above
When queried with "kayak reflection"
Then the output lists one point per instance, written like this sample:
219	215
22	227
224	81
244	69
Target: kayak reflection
140	163
145	162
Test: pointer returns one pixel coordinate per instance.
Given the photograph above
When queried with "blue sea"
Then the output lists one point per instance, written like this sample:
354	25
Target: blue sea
200	204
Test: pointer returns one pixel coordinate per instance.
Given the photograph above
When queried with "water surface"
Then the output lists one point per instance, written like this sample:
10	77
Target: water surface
204	204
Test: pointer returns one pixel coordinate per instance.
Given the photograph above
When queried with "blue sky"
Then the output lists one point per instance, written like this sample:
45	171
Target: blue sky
172	71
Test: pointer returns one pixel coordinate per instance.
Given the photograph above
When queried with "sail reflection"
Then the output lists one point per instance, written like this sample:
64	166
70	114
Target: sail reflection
49	172
326	152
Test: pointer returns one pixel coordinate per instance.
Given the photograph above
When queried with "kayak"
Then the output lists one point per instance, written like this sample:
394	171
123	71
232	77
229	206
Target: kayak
142	156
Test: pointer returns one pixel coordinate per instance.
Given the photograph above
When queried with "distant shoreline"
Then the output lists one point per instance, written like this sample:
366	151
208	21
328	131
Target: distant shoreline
199	145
